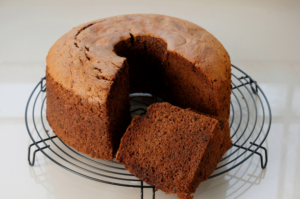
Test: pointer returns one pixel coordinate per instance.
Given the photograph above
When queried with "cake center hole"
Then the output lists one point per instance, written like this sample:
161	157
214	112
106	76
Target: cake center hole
146	56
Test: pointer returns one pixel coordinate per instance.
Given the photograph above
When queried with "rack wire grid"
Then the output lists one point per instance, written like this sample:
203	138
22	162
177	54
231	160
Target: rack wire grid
250	123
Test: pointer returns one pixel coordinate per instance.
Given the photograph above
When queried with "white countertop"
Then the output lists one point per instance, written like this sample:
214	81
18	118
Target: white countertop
262	39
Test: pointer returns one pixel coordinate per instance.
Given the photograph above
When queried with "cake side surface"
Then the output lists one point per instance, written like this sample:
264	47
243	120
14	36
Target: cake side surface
77	122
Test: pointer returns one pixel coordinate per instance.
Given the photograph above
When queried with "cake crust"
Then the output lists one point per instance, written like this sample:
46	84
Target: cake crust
87	71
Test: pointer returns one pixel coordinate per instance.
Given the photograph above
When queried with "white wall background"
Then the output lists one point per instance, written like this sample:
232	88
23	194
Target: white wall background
250	30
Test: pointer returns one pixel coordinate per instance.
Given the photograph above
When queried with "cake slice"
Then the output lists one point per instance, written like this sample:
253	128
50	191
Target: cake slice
225	129
171	148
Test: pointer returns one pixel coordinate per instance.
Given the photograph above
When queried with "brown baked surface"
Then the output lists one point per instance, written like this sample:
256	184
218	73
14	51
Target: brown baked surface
92	69
171	148
225	129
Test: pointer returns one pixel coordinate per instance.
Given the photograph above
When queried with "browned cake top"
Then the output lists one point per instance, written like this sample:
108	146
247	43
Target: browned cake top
166	146
83	59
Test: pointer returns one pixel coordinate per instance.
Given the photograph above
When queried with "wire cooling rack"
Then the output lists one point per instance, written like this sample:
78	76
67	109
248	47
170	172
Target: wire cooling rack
250	122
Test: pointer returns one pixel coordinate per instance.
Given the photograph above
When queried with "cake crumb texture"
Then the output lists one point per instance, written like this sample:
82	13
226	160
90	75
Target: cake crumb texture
171	148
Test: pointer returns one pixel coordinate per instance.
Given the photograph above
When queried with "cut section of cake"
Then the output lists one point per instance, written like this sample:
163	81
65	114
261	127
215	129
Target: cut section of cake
171	148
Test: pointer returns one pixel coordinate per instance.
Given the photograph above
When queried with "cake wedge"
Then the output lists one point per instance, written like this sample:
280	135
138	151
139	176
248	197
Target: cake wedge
171	148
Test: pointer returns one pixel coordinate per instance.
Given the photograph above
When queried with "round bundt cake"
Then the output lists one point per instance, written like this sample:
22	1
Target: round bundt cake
92	69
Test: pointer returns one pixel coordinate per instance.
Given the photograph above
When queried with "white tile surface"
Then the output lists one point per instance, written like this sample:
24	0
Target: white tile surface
261	37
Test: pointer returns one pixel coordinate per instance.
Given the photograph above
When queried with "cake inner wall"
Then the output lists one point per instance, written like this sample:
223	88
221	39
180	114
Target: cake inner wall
145	56
155	70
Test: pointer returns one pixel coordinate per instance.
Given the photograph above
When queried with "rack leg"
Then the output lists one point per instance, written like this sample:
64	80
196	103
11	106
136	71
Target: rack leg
254	89
153	193
250	82
142	189
31	163
263	165
42	84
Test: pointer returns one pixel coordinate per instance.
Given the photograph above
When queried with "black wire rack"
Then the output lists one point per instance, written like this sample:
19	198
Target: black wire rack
250	123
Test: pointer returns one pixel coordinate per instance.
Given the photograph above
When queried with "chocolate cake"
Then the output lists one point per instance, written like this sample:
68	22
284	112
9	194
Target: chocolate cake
92	69
225	129
171	148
